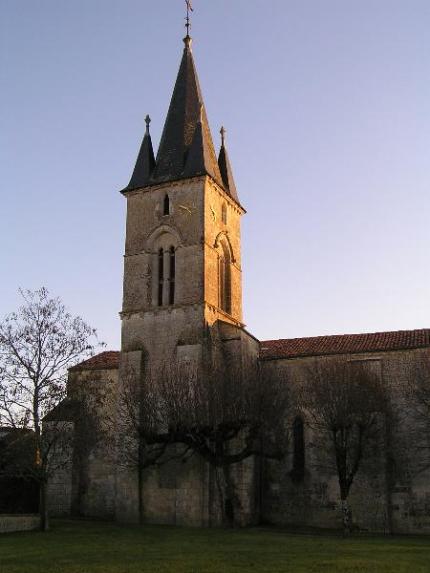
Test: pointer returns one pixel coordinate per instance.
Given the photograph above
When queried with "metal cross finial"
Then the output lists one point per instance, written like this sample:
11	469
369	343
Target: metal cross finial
223	131
147	121
187	19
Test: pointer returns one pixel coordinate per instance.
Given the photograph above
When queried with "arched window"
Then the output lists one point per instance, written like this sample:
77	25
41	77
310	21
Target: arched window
166	205
224	213
164	269
224	278
172	271
160	276
166	276
298	471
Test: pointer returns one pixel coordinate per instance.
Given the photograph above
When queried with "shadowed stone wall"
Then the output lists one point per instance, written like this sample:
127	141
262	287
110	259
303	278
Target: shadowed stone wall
391	491
11	523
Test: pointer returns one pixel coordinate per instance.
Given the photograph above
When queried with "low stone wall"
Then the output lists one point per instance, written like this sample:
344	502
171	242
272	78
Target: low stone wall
10	523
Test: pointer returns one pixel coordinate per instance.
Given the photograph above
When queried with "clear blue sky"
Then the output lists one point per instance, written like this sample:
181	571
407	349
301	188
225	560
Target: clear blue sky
327	107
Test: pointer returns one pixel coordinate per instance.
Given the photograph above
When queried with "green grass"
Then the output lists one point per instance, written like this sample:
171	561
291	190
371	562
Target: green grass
93	547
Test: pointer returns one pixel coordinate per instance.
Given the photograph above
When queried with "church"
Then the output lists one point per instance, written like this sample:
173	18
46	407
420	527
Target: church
182	278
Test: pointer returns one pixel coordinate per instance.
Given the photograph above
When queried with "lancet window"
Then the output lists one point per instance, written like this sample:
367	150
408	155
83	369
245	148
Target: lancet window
224	277
166	262
298	471
172	272
166	205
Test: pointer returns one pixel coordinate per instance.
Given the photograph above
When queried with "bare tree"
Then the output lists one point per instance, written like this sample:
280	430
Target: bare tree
38	343
211	408
345	403
225	415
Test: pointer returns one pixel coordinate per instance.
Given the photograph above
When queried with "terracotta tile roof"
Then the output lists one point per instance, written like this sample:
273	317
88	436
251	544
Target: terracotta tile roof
345	344
297	347
103	361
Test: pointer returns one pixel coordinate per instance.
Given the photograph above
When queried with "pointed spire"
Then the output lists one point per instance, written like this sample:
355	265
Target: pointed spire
145	162
186	147
225	168
200	156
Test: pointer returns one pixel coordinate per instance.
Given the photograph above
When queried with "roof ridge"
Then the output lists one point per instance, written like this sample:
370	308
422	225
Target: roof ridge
346	343
96	362
348	334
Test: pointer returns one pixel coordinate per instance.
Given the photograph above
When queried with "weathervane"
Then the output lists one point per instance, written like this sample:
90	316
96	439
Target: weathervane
187	19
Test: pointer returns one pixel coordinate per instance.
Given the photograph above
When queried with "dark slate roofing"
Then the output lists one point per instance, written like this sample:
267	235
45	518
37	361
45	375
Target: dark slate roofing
226	170
145	162
185	113
345	344
103	361
186	147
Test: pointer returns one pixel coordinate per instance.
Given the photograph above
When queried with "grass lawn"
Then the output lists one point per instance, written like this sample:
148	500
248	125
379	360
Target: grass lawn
87	547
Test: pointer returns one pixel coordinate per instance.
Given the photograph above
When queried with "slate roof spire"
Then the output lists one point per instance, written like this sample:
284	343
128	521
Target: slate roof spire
145	162
186	147
225	168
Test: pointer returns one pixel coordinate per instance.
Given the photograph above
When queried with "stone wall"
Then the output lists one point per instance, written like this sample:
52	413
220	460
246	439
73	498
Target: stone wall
83	483
216	231
186	492
148	229
391	491
12	523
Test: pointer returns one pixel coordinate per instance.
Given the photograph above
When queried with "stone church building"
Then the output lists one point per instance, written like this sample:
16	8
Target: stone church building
182	278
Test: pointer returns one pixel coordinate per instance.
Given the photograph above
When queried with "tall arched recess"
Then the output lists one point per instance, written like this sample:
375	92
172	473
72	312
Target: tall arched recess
224	276
163	244
298	470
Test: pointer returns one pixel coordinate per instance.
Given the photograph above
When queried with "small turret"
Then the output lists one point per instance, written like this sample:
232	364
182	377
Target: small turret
145	162
225	169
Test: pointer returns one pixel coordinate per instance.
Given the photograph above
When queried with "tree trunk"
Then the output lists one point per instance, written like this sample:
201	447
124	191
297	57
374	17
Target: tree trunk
389	474
43	506
231	503
140	492
140	469
346	516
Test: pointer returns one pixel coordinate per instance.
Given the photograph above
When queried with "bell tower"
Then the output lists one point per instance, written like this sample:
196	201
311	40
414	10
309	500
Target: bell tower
182	296
182	265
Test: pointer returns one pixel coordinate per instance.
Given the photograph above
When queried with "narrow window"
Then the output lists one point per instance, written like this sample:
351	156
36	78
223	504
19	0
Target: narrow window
224	213
172	272
166	205
225	280
298	471
160	276
222	282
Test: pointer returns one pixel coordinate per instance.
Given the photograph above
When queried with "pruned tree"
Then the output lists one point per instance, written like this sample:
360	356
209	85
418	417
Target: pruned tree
211	408
345	404
225	415
38	343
